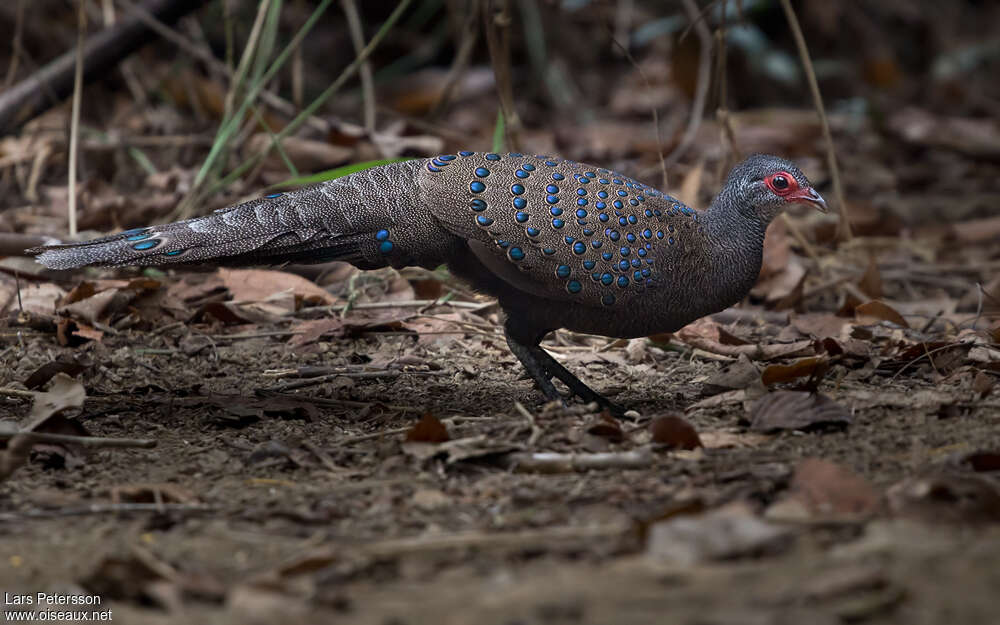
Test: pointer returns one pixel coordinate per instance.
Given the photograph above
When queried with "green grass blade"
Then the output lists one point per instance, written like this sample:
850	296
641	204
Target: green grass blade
333	174
498	132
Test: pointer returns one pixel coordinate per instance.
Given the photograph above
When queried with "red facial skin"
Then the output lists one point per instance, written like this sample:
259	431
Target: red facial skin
793	192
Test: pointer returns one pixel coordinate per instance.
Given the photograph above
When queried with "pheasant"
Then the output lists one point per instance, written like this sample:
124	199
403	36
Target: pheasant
560	244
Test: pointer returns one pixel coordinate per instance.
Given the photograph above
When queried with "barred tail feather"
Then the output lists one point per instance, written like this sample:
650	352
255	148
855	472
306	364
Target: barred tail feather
265	231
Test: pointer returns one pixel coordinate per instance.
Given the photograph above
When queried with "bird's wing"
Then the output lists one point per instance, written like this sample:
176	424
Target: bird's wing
552	228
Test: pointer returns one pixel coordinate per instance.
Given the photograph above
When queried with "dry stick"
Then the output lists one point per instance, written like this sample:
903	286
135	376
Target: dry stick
500	58
727	135
365	71
536	432
199	52
74	128
656	115
701	88
84	441
844	228
15	53
460	64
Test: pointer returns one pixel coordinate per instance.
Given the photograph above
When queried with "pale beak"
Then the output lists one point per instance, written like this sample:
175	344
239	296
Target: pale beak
809	196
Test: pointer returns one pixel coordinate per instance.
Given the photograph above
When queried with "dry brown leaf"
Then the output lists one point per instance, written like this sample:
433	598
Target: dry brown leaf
796	410
257	285
830	490
802	368
955	497
314	329
982	384
875	311
674	432
871	282
428	430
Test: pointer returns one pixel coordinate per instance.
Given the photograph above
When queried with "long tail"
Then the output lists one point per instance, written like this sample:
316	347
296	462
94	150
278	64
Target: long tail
341	219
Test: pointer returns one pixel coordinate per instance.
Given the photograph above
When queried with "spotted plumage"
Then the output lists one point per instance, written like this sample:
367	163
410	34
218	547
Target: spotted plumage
560	244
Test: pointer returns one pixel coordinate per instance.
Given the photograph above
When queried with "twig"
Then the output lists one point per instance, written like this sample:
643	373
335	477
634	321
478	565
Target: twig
74	126
536	432
47	86
701	88
365	70
460	64
499	47
98	508
548	462
84	441
15	51
844	228
656	115
348	374
523	539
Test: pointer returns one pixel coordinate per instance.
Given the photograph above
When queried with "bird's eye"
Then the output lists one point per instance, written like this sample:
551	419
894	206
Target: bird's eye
780	182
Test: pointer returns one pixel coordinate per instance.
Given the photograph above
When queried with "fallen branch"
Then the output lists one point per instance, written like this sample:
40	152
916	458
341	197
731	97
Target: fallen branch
51	84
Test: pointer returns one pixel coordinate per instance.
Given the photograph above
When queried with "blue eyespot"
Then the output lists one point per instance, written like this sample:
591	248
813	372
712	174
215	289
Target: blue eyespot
482	172
516	254
520	202
521	217
589	264
558	223
552	189
579	248
552	199
623	281
477	204
483	220
557	176
145	245
563	271
573	286
517	189
381	235
385	247
492	157
608	300
477	187
447	157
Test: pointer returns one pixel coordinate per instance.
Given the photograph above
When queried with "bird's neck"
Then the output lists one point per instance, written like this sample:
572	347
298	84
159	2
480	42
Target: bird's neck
735	238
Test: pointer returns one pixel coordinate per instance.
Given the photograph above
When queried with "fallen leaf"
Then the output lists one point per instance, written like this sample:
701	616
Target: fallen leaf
428	430
674	432
955	497
982	384
257	285
871	282
875	311
828	489
723	534
801	368
796	410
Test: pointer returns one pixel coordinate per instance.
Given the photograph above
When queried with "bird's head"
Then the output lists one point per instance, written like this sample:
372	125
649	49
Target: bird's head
763	185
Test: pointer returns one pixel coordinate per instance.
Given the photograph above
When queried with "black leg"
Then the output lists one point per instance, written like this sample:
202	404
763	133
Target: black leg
541	366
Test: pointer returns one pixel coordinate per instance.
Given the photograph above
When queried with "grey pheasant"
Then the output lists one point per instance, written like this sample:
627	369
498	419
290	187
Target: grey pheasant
560	244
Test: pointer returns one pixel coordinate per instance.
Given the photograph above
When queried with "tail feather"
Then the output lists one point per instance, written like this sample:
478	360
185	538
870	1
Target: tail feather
370	218
266	231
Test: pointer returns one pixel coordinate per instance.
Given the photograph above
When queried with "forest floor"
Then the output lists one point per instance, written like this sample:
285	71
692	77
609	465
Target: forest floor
275	497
